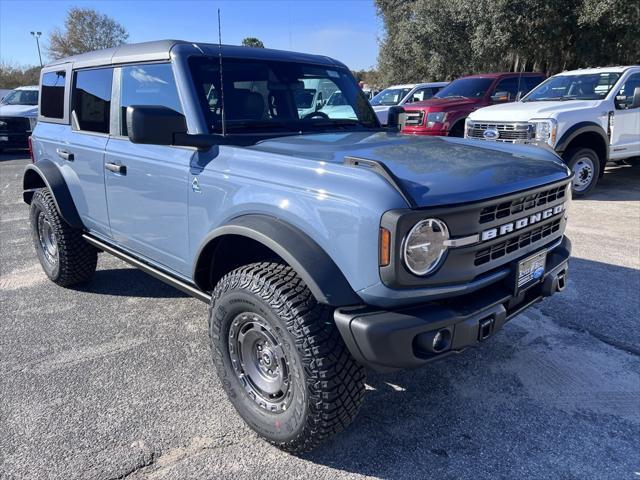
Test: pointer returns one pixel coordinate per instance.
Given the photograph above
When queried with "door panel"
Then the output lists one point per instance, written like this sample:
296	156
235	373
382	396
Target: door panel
148	209
625	135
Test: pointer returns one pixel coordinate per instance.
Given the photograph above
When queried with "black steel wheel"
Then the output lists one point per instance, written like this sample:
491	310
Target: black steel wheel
280	357
64	255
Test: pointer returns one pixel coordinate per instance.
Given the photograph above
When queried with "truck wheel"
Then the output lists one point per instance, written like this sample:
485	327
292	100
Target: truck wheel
280	357
64	255
585	165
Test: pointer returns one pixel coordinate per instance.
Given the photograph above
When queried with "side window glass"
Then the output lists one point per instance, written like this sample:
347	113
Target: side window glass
92	99
624	98
52	101
148	85
530	83
509	85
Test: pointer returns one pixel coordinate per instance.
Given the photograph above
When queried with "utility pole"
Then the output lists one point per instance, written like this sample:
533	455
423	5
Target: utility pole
37	37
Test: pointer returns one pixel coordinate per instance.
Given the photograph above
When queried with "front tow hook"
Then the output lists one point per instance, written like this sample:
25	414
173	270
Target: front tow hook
555	282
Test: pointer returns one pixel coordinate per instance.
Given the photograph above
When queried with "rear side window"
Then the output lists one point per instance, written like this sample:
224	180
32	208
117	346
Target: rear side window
92	99
52	98
147	85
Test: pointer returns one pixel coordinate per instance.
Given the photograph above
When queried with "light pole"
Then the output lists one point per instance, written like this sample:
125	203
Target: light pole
37	37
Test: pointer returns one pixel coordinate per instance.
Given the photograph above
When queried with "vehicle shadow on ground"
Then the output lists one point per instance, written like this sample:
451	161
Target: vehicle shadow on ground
619	183
476	415
129	282
8	155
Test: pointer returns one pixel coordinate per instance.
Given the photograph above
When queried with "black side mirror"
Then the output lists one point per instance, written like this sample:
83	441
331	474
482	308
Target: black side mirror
393	117
635	102
154	125
158	125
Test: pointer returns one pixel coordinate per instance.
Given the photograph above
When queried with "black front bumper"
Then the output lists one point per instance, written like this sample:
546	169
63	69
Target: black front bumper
14	132
388	340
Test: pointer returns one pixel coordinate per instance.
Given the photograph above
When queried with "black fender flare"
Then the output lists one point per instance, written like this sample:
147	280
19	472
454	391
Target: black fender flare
316	268
579	129
45	173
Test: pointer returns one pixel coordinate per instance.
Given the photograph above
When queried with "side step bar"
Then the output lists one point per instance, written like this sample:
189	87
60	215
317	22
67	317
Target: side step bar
146	268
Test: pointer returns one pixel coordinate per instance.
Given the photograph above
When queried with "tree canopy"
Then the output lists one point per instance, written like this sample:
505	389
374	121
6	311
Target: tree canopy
435	40
12	76
85	30
252	42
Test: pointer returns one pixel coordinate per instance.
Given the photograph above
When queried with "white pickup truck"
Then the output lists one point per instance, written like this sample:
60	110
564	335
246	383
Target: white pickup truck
588	117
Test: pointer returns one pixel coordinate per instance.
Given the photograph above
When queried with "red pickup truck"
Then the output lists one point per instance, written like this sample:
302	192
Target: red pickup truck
446	111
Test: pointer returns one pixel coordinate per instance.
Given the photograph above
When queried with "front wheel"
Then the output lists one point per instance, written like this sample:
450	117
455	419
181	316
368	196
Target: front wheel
280	357
585	165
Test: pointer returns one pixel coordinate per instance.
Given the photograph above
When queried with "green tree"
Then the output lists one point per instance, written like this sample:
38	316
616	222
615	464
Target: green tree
252	42
12	76
434	40
85	30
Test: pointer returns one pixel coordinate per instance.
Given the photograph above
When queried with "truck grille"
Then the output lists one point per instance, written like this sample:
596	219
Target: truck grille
506	132
521	204
14	124
513	244
414	118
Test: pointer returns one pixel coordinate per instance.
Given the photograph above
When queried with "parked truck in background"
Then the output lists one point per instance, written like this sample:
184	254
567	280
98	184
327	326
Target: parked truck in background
445	113
587	116
18	117
400	95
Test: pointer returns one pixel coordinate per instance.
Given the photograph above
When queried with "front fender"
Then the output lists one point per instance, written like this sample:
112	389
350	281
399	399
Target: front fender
45	174
316	268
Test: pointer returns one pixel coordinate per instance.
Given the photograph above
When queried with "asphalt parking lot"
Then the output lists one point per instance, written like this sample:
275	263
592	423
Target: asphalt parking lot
114	380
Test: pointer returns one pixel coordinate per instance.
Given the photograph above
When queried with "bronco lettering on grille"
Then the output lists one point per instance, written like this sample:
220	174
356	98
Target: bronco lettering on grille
521	223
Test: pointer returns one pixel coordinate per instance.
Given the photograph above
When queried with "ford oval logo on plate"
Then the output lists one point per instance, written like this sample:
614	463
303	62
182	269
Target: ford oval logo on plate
538	272
491	134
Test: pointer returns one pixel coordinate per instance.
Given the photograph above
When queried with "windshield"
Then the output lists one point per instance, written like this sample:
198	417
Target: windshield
390	96
574	87
278	97
21	97
336	100
466	88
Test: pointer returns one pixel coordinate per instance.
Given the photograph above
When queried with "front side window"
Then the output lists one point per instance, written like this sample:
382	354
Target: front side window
150	85
466	88
52	101
390	96
509	85
274	96
624	97
585	86
21	97
92	99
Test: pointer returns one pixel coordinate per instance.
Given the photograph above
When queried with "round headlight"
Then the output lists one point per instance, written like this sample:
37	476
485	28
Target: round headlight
424	246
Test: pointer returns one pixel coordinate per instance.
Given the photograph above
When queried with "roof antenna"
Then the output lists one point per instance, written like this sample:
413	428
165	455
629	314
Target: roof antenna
222	112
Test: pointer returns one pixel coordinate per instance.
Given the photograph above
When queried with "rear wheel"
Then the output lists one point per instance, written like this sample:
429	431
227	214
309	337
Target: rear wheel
585	165
64	255
280	357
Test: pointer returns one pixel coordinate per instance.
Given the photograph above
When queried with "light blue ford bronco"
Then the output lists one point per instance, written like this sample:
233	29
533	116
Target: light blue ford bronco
323	245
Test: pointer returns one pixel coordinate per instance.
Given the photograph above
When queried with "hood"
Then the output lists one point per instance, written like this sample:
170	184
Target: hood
441	104
18	111
433	171
525	111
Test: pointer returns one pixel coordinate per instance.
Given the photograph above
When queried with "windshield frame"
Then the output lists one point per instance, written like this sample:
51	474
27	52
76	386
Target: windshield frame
407	91
277	126
17	92
563	98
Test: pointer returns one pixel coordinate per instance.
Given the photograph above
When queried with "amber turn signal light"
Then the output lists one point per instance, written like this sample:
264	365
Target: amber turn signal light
385	247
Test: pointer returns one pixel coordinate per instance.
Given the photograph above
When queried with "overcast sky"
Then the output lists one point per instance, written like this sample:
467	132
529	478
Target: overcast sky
345	29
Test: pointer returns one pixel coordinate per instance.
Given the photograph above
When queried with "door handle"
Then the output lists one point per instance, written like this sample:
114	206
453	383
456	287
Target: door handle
115	168
65	155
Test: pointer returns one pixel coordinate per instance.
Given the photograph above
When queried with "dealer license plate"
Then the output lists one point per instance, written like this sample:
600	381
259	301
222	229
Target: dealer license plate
531	269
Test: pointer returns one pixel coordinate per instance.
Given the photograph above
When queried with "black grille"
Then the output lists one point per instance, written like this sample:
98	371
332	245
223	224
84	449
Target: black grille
14	124
511	245
522	204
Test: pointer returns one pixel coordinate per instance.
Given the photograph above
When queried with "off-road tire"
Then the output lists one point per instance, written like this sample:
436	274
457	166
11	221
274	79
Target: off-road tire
75	260
327	384
572	158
